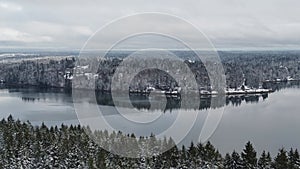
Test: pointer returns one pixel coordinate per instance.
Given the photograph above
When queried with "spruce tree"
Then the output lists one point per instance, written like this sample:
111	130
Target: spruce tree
233	161
297	159
184	160
192	154
174	158
210	152
200	150
293	159
281	160
249	159
265	161
227	161
236	160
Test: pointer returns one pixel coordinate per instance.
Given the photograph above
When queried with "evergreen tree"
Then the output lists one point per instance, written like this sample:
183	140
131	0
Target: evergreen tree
211	155
183	160
293	159
25	146
281	160
296	159
209	152
192	154
236	160
265	161
201	151
174	158
249	159
2	148
227	161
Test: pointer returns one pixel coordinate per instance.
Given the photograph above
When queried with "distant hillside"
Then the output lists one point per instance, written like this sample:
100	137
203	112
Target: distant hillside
249	68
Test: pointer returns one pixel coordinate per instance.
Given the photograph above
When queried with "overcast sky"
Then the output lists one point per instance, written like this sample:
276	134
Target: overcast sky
229	24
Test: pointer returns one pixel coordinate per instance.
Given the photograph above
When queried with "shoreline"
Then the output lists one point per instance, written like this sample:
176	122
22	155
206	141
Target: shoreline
202	93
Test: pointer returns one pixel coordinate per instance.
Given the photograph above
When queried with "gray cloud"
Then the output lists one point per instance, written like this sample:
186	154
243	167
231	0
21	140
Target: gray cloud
231	24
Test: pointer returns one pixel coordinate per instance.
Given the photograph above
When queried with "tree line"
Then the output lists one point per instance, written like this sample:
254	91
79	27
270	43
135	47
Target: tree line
23	145
250	68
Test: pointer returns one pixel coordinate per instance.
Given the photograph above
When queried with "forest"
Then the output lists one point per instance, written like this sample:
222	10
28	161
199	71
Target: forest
23	145
249	68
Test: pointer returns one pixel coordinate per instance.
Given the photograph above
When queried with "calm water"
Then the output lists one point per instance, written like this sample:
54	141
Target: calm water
269	122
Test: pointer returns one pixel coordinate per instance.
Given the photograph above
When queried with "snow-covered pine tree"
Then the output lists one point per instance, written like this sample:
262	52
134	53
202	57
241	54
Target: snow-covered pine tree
281	160
248	155
264	161
293	159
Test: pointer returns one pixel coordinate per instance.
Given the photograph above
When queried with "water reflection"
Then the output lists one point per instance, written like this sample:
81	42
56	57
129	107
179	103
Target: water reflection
237	100
138	101
277	86
60	102
30	99
269	121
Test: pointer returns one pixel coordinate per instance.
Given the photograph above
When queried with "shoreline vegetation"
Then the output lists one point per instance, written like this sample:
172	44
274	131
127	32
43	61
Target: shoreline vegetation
23	145
246	72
